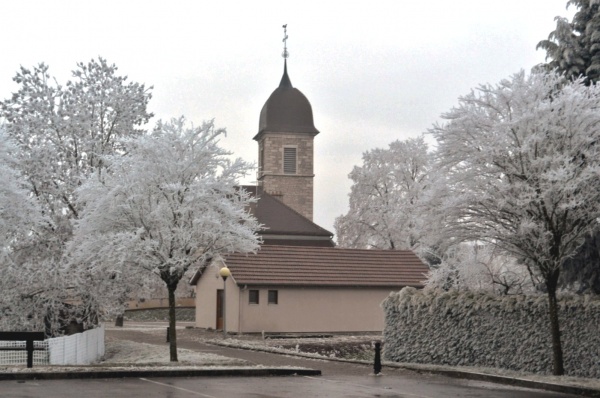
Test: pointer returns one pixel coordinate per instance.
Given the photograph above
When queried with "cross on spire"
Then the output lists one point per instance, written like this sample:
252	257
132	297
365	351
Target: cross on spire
285	54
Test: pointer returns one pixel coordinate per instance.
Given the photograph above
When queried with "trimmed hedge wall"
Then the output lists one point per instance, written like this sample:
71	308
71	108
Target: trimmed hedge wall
160	314
481	329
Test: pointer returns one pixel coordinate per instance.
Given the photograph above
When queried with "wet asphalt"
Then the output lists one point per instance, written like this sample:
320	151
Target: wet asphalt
338	379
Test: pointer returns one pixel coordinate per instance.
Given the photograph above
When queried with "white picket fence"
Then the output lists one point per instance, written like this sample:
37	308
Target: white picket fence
77	349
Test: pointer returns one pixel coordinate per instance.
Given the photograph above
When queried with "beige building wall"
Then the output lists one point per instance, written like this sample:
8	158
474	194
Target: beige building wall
206	300
314	310
295	190
301	310
298	309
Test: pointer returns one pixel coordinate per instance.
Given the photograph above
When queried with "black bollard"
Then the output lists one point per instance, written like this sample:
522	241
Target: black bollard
168	339
377	363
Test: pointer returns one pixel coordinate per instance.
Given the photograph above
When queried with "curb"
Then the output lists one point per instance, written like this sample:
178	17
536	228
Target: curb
540	385
119	374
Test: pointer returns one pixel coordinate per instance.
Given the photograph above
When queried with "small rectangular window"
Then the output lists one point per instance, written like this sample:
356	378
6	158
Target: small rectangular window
289	160
273	297
253	296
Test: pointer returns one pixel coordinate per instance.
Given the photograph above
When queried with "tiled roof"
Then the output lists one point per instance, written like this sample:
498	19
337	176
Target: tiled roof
269	240
280	219
326	266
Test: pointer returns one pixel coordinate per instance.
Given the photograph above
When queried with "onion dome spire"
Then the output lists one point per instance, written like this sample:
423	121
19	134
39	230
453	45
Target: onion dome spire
285	79
287	110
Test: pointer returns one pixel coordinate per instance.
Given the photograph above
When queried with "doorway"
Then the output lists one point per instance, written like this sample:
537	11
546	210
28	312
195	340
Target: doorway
219	309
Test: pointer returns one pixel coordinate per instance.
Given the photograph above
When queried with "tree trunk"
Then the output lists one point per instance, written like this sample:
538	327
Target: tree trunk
557	354
172	333
119	320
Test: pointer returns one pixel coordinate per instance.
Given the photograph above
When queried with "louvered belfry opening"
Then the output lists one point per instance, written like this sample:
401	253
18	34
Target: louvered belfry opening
289	160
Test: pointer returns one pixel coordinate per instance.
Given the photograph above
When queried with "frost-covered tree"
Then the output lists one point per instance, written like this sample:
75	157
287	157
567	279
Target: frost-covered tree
20	222
19	214
478	267
387	199
523	164
574	47
168	205
62	133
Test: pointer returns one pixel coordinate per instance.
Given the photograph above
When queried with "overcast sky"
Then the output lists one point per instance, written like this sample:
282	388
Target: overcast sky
374	71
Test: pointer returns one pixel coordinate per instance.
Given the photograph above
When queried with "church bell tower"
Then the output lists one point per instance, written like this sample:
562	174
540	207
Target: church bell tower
285	145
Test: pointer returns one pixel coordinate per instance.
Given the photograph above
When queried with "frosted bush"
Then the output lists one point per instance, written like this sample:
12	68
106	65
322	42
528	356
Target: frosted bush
469	328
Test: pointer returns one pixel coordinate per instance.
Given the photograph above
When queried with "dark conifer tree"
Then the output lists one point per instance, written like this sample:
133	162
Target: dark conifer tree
573	48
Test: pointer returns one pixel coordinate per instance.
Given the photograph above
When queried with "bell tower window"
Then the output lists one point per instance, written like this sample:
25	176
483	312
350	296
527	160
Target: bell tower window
289	160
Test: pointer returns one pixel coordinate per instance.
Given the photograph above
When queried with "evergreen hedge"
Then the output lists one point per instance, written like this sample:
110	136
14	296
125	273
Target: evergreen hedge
481	329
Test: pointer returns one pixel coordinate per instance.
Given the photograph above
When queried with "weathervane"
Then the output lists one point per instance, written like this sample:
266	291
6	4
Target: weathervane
285	53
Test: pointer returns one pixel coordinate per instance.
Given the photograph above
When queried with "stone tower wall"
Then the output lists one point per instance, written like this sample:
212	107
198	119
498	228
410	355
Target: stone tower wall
295	190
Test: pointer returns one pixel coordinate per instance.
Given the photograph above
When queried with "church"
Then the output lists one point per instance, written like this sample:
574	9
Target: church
298	281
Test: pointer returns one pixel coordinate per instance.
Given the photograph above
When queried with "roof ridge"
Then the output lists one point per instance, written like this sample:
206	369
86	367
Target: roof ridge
338	248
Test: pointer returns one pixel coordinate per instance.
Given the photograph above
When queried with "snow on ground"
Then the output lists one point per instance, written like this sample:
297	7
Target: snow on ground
129	355
122	352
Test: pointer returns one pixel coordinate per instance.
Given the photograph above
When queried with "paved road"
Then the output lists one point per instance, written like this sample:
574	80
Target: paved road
338	380
408	386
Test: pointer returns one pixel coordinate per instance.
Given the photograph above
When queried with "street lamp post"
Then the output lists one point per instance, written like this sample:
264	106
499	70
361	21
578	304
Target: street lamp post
225	273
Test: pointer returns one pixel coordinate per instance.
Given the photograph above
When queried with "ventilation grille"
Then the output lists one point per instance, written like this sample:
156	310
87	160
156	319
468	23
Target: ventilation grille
289	160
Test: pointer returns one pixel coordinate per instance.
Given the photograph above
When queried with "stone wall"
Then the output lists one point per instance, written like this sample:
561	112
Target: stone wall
272	158
480	329
295	190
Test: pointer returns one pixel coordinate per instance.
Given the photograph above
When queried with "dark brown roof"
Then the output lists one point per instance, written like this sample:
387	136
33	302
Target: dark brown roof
297	241
280	219
324	266
286	111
